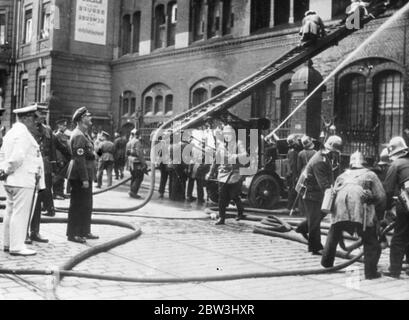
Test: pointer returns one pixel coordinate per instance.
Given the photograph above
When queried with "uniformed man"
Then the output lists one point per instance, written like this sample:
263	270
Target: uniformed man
358	192
120	155
292	176
105	151
312	28
46	140
137	164
229	178
63	158
319	177
22	169
394	184
80	175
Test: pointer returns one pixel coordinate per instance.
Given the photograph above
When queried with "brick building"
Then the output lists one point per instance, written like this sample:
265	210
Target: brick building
139	62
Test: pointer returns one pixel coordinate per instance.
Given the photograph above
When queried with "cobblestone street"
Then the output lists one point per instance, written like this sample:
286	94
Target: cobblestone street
189	245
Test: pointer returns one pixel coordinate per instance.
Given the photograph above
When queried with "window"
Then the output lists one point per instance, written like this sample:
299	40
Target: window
198	19
355	113
205	89
160	26
24	91
339	7
169	105
148	106
45	20
260	14
389	102
28	25
300	7
128	107
159	105
42	90
199	96
158	100
3	23
282	11
126	34
136	29
172	13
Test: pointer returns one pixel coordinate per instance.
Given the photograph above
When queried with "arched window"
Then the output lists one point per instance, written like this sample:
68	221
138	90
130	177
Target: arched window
218	90
389	103
205	89
169	105
128	104
158	100
199	96
126	34
160	26
355	113
159	105
148	110
285	96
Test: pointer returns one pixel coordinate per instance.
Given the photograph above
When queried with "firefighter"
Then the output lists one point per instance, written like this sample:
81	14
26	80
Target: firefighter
63	158
358	192
105	152
319	177
312	28
229	155
394	185
137	164
292	176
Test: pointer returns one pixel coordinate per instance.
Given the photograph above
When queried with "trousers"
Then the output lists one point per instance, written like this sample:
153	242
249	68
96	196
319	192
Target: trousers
228	192
372	248
108	166
44	199
17	217
164	175
136	180
80	210
400	240
312	225
199	188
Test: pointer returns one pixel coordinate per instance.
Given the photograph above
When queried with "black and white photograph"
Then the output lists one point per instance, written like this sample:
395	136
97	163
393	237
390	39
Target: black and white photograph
204	155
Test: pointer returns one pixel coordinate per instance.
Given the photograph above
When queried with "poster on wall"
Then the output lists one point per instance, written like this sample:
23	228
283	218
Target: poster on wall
91	21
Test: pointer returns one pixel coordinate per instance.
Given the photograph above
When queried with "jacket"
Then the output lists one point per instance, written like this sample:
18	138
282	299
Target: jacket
46	140
106	151
312	24
21	158
228	163
349	188
81	167
120	148
319	176
396	175
303	157
62	145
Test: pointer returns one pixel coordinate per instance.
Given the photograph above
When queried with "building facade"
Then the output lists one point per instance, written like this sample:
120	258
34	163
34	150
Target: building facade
140	62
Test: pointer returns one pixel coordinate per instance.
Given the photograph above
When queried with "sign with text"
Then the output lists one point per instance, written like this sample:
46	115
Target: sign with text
91	21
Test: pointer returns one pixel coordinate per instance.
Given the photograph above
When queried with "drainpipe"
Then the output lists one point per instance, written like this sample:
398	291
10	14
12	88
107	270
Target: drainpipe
14	53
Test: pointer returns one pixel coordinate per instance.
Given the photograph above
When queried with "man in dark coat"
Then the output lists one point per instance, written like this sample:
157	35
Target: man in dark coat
319	177
137	164
395	184
80	175
292	156
63	158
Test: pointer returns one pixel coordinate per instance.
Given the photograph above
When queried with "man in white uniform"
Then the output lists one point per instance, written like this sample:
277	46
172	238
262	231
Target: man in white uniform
22	170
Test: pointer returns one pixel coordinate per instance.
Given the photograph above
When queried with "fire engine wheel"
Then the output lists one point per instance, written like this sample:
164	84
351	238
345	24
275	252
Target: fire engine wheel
264	192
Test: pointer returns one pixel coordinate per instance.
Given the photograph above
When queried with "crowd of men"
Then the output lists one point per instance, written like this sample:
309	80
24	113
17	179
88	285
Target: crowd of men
361	200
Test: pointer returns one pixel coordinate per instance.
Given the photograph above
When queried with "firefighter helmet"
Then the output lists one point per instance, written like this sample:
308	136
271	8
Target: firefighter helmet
384	157
333	143
397	147
307	143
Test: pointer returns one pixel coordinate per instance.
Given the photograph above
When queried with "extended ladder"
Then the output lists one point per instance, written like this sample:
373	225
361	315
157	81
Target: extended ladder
284	64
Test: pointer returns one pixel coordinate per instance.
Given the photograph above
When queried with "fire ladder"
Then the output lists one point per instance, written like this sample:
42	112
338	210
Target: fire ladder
282	65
